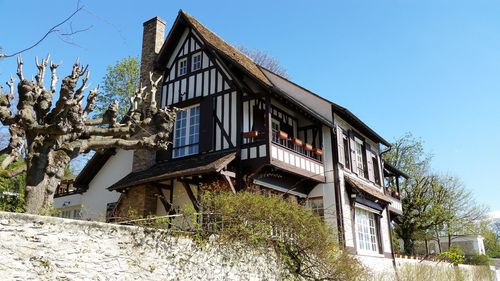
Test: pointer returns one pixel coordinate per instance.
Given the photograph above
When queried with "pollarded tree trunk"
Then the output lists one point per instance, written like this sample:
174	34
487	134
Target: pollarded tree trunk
44	174
50	136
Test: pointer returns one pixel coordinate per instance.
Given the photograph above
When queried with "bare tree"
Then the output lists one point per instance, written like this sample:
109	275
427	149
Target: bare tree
265	60
51	136
63	35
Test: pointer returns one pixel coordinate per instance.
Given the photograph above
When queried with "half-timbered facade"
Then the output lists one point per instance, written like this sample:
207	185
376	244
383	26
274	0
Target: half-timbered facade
242	127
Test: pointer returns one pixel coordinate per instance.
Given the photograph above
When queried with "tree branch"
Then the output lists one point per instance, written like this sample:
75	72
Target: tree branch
51	30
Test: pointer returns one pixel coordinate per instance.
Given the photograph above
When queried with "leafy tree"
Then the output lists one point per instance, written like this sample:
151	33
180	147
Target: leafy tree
12	189
433	205
419	192
491	239
460	212
120	84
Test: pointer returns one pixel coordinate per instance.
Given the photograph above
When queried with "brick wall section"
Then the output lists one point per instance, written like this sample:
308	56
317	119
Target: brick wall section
152	41
139	200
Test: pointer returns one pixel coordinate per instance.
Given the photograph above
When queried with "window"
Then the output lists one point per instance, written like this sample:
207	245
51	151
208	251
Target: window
70	213
275	125
183	67
346	152
366	231
358	149
196	62
316	205
187	132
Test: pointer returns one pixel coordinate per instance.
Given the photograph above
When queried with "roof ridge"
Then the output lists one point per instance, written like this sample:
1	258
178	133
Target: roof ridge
229	50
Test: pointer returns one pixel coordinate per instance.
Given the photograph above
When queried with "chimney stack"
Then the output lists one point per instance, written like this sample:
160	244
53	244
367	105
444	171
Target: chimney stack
152	40
153	37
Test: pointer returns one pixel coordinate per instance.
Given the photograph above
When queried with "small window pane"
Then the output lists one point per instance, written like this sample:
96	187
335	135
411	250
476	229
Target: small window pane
183	67
196	60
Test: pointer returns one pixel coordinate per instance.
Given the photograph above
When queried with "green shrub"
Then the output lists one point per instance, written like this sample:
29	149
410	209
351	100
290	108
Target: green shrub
300	238
478	260
455	255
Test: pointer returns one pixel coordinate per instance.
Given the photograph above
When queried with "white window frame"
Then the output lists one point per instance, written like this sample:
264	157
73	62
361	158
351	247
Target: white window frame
367	240
183	67
275	128
73	212
316	205
196	62
188	143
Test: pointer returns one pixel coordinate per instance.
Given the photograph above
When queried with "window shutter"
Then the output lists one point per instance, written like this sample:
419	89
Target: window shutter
369	163
354	161
340	146
206	124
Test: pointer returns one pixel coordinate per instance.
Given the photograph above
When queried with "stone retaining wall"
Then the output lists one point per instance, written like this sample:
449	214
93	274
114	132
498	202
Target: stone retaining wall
47	248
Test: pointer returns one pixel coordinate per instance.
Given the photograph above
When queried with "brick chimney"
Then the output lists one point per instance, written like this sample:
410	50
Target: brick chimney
153	37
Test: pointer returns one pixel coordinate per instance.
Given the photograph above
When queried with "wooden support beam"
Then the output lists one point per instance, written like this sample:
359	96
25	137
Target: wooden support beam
228	173
230	183
167	205
191	196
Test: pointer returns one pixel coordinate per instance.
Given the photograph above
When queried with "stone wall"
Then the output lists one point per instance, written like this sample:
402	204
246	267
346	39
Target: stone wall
47	248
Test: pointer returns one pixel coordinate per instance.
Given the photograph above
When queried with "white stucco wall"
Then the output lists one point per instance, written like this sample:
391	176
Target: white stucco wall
69	201
96	198
327	189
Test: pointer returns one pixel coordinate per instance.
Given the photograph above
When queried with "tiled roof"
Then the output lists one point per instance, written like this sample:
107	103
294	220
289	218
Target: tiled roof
200	164
226	49
366	188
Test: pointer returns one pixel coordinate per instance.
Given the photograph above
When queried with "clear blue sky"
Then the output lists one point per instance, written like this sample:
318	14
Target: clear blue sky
425	66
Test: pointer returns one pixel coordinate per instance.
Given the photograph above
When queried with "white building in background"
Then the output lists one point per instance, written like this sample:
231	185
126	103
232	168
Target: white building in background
87	197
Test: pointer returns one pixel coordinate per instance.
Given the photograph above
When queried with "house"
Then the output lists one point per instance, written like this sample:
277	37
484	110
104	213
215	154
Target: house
472	244
243	127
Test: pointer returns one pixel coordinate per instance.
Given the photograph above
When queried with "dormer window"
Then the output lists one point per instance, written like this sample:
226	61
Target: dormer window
196	62
183	67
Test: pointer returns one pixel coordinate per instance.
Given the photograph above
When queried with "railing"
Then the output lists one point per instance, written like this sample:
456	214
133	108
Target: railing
298	146
393	193
66	188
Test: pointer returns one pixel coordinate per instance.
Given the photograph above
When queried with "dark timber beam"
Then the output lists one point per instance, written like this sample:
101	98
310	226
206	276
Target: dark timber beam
191	196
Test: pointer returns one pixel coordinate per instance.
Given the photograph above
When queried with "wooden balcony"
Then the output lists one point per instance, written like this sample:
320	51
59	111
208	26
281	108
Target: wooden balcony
296	156
395	206
66	188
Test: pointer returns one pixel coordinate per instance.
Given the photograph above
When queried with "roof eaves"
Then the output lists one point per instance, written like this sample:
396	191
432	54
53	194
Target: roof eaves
337	108
300	104
395	170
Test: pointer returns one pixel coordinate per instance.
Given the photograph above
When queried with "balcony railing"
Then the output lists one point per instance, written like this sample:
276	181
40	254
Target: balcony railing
298	146
395	205
66	188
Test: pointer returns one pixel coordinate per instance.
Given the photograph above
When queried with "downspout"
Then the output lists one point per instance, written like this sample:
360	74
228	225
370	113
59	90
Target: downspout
336	183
